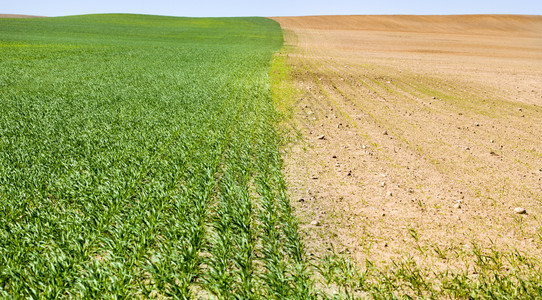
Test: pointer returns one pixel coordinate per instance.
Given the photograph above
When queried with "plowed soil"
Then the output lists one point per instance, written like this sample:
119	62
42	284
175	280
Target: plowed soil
420	135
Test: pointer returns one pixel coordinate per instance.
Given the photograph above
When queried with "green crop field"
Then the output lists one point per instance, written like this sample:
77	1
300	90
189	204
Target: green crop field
138	158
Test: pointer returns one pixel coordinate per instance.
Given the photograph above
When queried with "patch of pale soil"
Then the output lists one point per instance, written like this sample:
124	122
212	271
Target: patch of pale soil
421	135
18	16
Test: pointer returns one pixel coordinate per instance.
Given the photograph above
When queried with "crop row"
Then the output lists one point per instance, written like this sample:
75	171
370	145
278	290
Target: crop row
138	158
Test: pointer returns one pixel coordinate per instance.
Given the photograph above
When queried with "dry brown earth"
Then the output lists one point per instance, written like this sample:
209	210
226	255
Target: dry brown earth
17	16
420	135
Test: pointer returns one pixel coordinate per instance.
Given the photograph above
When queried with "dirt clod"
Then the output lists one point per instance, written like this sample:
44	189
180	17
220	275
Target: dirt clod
520	211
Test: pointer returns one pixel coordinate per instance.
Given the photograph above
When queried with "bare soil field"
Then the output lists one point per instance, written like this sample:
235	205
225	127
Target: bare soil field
420	135
17	16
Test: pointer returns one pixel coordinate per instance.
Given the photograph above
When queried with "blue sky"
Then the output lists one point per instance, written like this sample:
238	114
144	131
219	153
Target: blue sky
216	8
